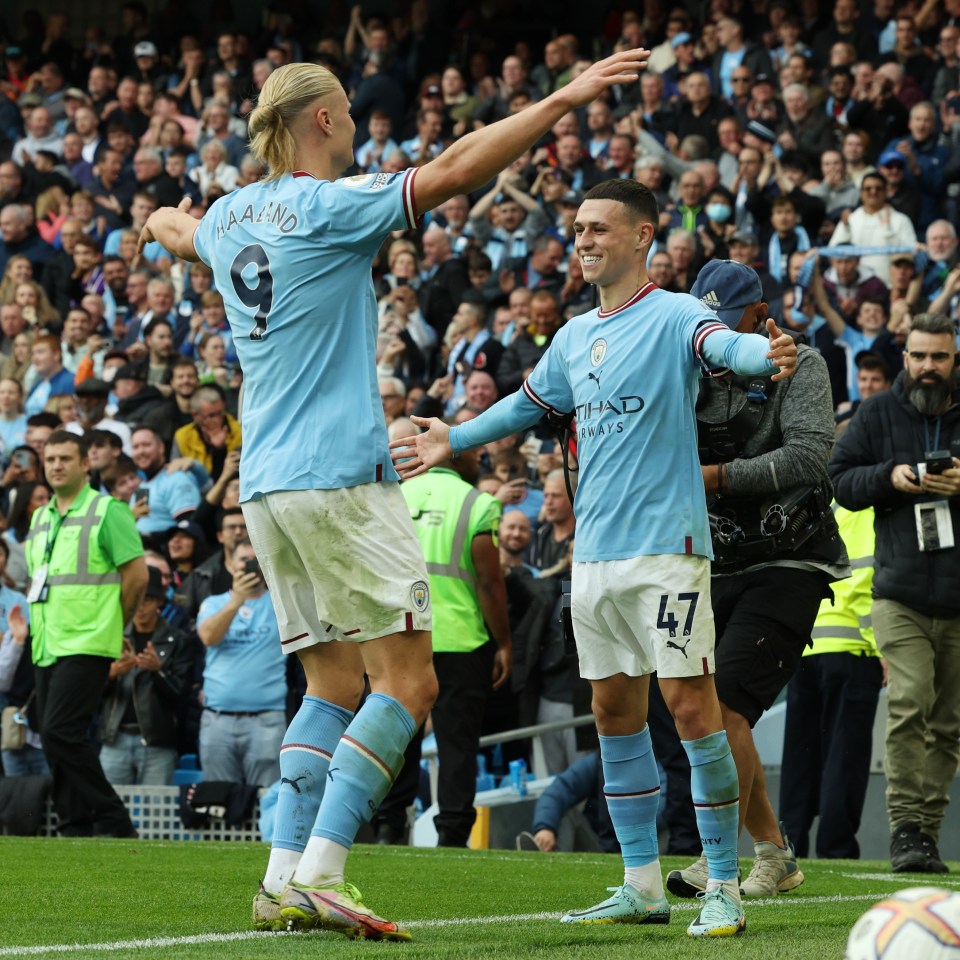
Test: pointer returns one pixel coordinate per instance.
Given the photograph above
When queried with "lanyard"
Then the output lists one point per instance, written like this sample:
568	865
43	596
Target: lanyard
936	435
52	534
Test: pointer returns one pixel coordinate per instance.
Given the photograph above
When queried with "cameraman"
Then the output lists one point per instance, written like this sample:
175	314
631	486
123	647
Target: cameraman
763	446
899	456
244	679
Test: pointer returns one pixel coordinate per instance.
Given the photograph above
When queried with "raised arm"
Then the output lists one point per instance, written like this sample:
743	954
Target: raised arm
173	228
478	157
836	323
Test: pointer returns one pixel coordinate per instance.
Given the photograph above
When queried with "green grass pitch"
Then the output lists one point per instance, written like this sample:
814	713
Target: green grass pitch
95	899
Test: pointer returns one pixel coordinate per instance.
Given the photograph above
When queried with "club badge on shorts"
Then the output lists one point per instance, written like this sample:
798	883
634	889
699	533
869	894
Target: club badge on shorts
420	595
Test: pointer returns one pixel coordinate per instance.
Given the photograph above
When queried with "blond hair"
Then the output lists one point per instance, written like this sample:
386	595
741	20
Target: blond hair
287	92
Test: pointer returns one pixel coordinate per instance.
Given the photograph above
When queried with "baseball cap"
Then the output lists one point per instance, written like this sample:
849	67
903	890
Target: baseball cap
31	100
431	90
145	49
726	287
572	196
763	78
189	528
902	258
75	93
155	584
747	237
762	131
680	38
92	387
129	372
891	156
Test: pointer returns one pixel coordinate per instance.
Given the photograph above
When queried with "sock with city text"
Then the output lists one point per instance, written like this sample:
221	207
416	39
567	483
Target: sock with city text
716	799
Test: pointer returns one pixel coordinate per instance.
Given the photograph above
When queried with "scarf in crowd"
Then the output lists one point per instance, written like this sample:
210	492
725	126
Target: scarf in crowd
920	261
775	256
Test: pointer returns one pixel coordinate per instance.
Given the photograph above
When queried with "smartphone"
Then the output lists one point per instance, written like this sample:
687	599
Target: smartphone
22	459
141	495
252	565
938	461
403	282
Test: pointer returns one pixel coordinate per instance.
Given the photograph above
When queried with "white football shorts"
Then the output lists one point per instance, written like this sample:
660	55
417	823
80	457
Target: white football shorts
341	564
643	614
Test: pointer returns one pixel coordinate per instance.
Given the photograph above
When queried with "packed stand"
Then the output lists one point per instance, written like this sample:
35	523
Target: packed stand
766	138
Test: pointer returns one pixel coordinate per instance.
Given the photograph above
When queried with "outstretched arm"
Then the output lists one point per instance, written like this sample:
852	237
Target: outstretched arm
476	158
174	228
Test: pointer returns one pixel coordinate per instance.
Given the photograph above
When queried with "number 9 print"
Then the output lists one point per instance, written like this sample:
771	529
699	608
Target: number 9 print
259	296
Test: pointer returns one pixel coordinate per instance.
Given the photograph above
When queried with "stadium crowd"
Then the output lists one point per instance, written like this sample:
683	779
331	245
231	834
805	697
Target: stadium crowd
768	133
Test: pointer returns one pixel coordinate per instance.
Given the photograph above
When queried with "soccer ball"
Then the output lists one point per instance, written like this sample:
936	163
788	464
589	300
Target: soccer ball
920	923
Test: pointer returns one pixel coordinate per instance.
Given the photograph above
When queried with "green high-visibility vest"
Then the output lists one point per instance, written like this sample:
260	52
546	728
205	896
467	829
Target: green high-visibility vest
82	613
447	514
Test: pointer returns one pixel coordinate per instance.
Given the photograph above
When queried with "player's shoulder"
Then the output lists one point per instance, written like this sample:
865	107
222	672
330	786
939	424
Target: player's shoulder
364	184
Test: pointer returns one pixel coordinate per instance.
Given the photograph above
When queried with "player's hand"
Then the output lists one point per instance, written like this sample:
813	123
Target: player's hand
546	840
783	351
502	662
623	67
147	234
946	484
415	455
904	479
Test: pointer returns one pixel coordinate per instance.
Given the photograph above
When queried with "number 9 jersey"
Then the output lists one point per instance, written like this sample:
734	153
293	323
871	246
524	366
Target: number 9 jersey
292	258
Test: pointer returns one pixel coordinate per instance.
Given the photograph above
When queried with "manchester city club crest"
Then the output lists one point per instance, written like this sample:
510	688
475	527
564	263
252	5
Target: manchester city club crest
598	351
420	595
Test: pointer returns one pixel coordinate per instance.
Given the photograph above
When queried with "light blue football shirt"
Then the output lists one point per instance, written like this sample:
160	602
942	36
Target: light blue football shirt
247	671
632	377
292	258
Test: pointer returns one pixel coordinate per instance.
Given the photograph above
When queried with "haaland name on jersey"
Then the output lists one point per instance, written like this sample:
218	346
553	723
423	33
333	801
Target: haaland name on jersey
270	214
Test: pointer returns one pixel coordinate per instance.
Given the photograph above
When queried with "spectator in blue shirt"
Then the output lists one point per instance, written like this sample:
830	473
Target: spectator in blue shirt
172	496
244	679
55	380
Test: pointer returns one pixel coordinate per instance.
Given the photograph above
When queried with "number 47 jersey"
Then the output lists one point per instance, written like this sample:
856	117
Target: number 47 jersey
292	258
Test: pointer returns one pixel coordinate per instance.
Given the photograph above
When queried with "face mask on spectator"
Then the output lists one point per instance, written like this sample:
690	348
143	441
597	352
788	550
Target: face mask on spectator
718	212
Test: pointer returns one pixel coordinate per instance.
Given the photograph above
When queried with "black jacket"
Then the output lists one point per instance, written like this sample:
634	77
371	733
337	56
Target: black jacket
156	694
211	577
888	430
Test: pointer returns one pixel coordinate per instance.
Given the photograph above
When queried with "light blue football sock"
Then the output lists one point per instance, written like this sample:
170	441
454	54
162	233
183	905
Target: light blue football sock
364	765
631	786
716	799
309	743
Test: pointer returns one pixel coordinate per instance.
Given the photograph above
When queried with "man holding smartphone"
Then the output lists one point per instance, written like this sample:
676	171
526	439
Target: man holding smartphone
244	679
900	456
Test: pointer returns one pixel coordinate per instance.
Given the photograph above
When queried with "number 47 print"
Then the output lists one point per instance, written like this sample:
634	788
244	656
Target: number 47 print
667	621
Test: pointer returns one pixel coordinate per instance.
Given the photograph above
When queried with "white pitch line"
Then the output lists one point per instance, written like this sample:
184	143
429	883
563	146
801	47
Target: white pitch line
897	879
160	942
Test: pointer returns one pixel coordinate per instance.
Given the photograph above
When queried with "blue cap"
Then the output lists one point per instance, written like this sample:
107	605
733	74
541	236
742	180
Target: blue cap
679	38
726	287
891	156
